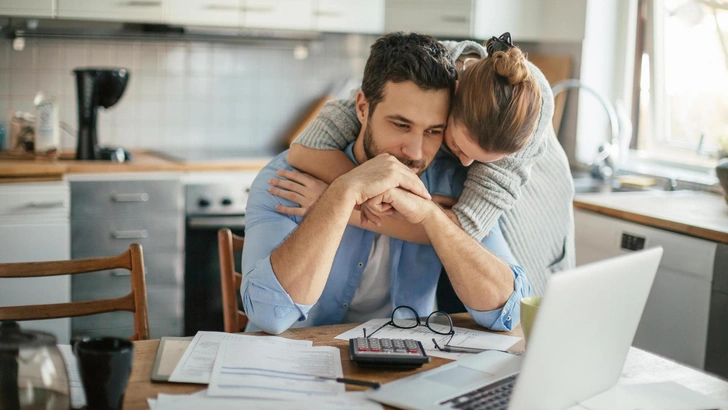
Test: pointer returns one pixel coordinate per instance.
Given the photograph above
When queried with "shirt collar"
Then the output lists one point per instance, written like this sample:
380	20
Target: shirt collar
349	151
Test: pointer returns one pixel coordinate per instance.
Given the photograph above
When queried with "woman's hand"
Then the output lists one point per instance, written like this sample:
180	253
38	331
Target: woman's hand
297	187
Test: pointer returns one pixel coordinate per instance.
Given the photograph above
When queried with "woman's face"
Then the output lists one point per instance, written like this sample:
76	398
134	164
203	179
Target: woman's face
460	143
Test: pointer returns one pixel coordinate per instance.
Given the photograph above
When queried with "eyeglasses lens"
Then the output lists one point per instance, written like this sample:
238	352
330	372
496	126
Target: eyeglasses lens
404	317
440	323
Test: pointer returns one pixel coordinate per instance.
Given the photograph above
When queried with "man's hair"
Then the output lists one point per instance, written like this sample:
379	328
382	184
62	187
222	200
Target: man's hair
405	56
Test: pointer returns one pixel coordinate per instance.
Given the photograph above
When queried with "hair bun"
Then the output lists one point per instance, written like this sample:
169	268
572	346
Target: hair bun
511	65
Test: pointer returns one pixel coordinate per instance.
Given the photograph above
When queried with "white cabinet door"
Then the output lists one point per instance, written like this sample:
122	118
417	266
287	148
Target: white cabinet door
27	8
437	18
675	320
350	16
213	13
528	20
144	11
34	227
277	14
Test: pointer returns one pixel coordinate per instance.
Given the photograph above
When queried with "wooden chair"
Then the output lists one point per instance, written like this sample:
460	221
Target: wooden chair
135	302
229	243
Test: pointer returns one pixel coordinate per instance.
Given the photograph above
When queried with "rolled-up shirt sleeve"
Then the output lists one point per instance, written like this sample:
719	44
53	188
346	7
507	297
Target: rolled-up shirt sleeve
268	306
507	317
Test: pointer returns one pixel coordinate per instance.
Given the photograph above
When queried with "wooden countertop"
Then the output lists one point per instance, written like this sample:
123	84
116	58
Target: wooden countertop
699	214
23	168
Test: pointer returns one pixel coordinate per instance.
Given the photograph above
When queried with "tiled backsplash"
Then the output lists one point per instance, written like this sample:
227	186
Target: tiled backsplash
184	95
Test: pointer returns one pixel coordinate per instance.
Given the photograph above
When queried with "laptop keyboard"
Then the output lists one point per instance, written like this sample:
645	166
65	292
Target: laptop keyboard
493	396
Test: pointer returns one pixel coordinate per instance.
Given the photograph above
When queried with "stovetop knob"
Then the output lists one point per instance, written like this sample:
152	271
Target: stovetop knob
226	202
203	203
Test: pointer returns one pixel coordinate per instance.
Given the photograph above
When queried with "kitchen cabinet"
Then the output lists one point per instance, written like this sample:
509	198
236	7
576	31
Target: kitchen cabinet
350	16
111	211
143	11
433	17
212	13
277	14
27	8
676	318
34	227
527	20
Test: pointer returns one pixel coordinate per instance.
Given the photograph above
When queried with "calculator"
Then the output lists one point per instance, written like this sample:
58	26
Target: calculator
403	353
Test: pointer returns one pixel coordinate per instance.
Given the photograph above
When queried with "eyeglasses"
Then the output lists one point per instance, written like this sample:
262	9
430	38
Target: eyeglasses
439	322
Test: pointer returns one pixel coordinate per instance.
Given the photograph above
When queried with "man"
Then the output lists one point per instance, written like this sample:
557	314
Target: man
318	270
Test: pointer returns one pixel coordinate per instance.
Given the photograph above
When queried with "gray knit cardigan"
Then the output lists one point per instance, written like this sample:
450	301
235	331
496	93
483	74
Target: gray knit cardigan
530	191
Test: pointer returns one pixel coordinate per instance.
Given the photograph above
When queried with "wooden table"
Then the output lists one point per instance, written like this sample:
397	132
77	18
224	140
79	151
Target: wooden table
640	367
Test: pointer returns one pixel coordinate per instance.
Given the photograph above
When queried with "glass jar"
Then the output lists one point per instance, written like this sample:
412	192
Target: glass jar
32	372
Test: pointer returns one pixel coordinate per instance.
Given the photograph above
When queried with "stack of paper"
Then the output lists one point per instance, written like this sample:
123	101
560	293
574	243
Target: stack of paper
260	372
200	400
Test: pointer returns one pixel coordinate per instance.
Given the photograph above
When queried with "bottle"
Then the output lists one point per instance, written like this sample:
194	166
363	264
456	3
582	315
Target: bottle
47	136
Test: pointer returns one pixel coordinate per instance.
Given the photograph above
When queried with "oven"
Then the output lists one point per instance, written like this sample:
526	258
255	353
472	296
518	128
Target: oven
213	200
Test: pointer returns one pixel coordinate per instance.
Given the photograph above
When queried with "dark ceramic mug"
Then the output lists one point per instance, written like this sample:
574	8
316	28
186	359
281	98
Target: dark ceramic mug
105	366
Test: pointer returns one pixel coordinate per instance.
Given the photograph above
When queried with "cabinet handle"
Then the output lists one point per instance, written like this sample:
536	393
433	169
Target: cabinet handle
141	3
135	234
455	19
143	197
124	272
46	205
220	7
258	9
325	13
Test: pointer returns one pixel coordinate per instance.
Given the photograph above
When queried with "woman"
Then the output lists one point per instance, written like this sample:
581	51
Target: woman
500	101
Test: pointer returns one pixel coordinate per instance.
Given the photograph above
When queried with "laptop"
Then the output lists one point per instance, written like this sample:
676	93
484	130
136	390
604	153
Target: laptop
579	341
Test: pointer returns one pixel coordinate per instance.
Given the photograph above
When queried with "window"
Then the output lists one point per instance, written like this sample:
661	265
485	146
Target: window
681	81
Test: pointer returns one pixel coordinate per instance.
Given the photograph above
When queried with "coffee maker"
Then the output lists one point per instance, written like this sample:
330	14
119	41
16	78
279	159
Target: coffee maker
97	87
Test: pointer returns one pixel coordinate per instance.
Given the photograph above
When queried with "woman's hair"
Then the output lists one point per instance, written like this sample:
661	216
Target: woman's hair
498	101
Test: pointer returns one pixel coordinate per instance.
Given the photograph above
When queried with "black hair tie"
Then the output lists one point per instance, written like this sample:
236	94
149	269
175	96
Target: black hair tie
502	43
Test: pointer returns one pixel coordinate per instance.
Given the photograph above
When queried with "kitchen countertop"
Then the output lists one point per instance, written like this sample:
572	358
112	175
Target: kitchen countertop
14	169
695	213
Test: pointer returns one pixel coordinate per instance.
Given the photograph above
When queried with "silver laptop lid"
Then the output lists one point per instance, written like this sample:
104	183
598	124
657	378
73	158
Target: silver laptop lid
583	331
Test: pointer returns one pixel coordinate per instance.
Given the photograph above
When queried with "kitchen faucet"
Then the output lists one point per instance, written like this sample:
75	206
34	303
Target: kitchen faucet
603	165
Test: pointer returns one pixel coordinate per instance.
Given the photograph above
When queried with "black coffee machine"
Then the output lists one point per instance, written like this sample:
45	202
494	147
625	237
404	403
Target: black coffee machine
97	87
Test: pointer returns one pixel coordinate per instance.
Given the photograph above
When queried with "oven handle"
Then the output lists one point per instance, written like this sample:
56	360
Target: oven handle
210	222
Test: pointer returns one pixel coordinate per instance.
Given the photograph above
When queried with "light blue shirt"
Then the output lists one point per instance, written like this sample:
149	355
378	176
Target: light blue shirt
415	268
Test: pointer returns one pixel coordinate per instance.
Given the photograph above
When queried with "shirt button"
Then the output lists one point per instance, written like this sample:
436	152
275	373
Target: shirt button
346	305
508	319
504	313
360	264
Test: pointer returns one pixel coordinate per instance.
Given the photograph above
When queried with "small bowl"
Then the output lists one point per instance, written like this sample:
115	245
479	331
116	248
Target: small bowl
721	170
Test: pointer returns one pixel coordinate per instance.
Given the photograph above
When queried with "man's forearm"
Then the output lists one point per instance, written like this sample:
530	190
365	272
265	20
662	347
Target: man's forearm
481	280
303	261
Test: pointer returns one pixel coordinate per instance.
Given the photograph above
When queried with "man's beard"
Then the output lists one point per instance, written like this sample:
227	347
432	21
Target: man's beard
372	150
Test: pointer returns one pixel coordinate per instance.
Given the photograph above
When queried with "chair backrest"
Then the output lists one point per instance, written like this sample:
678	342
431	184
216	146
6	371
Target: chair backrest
135	301
228	244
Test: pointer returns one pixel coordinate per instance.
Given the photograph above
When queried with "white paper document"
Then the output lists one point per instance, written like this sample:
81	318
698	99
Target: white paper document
463	337
652	396
344	401
196	364
78	396
275	372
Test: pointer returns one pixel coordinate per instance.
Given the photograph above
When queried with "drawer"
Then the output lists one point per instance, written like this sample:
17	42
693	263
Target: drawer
115	235
30	201
161	268
128	198
164	307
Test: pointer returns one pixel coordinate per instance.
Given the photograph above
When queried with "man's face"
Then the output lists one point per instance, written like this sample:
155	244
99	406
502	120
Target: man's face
460	143
408	123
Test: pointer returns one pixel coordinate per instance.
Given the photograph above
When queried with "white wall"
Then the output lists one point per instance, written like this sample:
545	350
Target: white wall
185	94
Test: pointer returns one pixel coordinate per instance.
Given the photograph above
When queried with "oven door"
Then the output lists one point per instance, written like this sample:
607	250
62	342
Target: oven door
203	289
